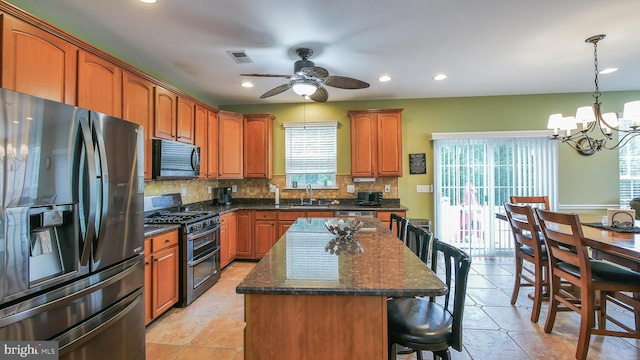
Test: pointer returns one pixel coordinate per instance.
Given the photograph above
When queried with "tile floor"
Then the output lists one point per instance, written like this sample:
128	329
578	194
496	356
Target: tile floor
212	327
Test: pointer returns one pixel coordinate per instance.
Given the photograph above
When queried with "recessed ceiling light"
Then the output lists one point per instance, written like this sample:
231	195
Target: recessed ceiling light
247	84
440	77
608	70
148	1
384	78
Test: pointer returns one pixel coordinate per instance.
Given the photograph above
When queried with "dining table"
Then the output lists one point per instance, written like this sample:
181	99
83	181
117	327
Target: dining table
318	296
621	246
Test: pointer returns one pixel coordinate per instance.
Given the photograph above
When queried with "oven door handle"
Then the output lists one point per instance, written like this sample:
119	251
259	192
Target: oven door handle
197	235
206	257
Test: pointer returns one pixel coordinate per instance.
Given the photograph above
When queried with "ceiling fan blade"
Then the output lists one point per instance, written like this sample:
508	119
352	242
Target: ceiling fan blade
268	75
315	71
321	95
276	90
344	82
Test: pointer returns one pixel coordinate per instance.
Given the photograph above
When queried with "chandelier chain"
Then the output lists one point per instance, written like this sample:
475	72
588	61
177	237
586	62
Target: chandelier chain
596	94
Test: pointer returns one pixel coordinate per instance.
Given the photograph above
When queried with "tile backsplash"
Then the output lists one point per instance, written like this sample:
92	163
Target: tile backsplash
197	190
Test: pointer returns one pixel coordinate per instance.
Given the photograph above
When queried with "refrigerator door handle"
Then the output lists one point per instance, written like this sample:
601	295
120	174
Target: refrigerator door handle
104	182
89	234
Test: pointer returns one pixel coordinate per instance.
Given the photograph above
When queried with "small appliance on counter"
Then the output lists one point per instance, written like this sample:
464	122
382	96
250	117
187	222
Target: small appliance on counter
369	198
222	196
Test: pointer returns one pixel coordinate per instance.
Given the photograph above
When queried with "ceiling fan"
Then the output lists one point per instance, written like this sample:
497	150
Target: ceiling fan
307	79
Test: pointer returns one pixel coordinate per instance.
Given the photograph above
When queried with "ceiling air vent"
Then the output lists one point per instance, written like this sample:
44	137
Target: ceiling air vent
240	56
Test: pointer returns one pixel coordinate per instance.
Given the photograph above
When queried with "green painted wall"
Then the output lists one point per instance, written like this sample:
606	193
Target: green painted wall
583	180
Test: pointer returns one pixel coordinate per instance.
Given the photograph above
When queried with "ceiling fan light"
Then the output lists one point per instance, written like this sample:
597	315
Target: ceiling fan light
304	87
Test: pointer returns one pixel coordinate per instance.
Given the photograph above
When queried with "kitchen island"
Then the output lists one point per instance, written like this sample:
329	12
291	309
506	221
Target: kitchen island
304	302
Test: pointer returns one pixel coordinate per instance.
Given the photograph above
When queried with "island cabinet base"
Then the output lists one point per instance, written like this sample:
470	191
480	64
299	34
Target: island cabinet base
309	327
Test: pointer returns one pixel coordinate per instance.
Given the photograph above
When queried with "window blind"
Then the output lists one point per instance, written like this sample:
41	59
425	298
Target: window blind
310	148
629	159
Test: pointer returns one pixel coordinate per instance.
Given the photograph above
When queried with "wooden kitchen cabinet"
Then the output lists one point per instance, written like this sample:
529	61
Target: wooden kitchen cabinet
376	143
233	236
201	139
37	62
212	148
161	274
230	145
385	216
286	219
258	146
99	84
185	120
228	239
264	232
244	235
165	114
137	107
206	136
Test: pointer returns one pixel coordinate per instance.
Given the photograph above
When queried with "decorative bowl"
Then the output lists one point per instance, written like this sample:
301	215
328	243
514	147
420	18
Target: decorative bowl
342	227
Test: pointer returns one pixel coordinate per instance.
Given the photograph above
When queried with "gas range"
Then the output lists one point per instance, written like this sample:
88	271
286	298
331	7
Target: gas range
199	245
167	209
192	221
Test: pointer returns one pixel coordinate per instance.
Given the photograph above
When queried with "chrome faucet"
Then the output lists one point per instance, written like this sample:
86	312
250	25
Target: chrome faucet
310	192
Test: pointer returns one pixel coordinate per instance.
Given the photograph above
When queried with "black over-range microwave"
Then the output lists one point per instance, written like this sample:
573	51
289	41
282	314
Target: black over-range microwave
174	160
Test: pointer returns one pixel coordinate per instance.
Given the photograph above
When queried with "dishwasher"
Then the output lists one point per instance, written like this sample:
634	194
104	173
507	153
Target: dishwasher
356	213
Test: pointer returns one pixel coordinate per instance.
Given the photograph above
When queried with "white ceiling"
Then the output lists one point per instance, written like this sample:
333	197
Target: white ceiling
486	47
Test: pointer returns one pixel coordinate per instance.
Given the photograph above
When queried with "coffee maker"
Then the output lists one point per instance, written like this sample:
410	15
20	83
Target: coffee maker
222	196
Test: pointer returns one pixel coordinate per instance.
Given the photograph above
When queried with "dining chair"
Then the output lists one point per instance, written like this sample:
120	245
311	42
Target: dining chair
595	280
537	201
528	247
398	226
419	241
432	324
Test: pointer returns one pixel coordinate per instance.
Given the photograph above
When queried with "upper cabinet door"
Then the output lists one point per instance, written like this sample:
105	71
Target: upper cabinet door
213	144
258	146
99	84
363	144
390	143
37	63
230	145
185	121
137	107
376	143
202	139
165	119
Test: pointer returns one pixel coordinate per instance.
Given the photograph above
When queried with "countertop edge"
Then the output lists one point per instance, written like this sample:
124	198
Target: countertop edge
339	292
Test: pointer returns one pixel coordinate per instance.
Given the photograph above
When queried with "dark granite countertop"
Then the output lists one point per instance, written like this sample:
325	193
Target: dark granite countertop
155	229
242	205
298	264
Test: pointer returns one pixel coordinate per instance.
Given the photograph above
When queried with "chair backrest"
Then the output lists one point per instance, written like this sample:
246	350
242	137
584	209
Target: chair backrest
524	227
419	241
398	226
635	205
456	265
540	202
565	243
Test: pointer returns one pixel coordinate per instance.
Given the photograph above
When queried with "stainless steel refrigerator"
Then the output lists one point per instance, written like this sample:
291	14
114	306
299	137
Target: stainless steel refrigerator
71	229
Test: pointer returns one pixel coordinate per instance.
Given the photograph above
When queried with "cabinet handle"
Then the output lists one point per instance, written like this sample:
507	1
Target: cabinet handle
147	263
162	258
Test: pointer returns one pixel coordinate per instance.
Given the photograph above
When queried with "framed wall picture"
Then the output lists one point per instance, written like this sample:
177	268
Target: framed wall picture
417	163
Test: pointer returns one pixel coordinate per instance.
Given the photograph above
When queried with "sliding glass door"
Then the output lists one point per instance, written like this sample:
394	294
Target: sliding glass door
476	174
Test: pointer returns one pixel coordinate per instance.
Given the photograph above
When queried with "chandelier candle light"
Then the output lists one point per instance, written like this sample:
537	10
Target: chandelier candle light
597	128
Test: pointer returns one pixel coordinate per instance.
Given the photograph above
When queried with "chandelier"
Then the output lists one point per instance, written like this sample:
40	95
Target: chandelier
597	129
